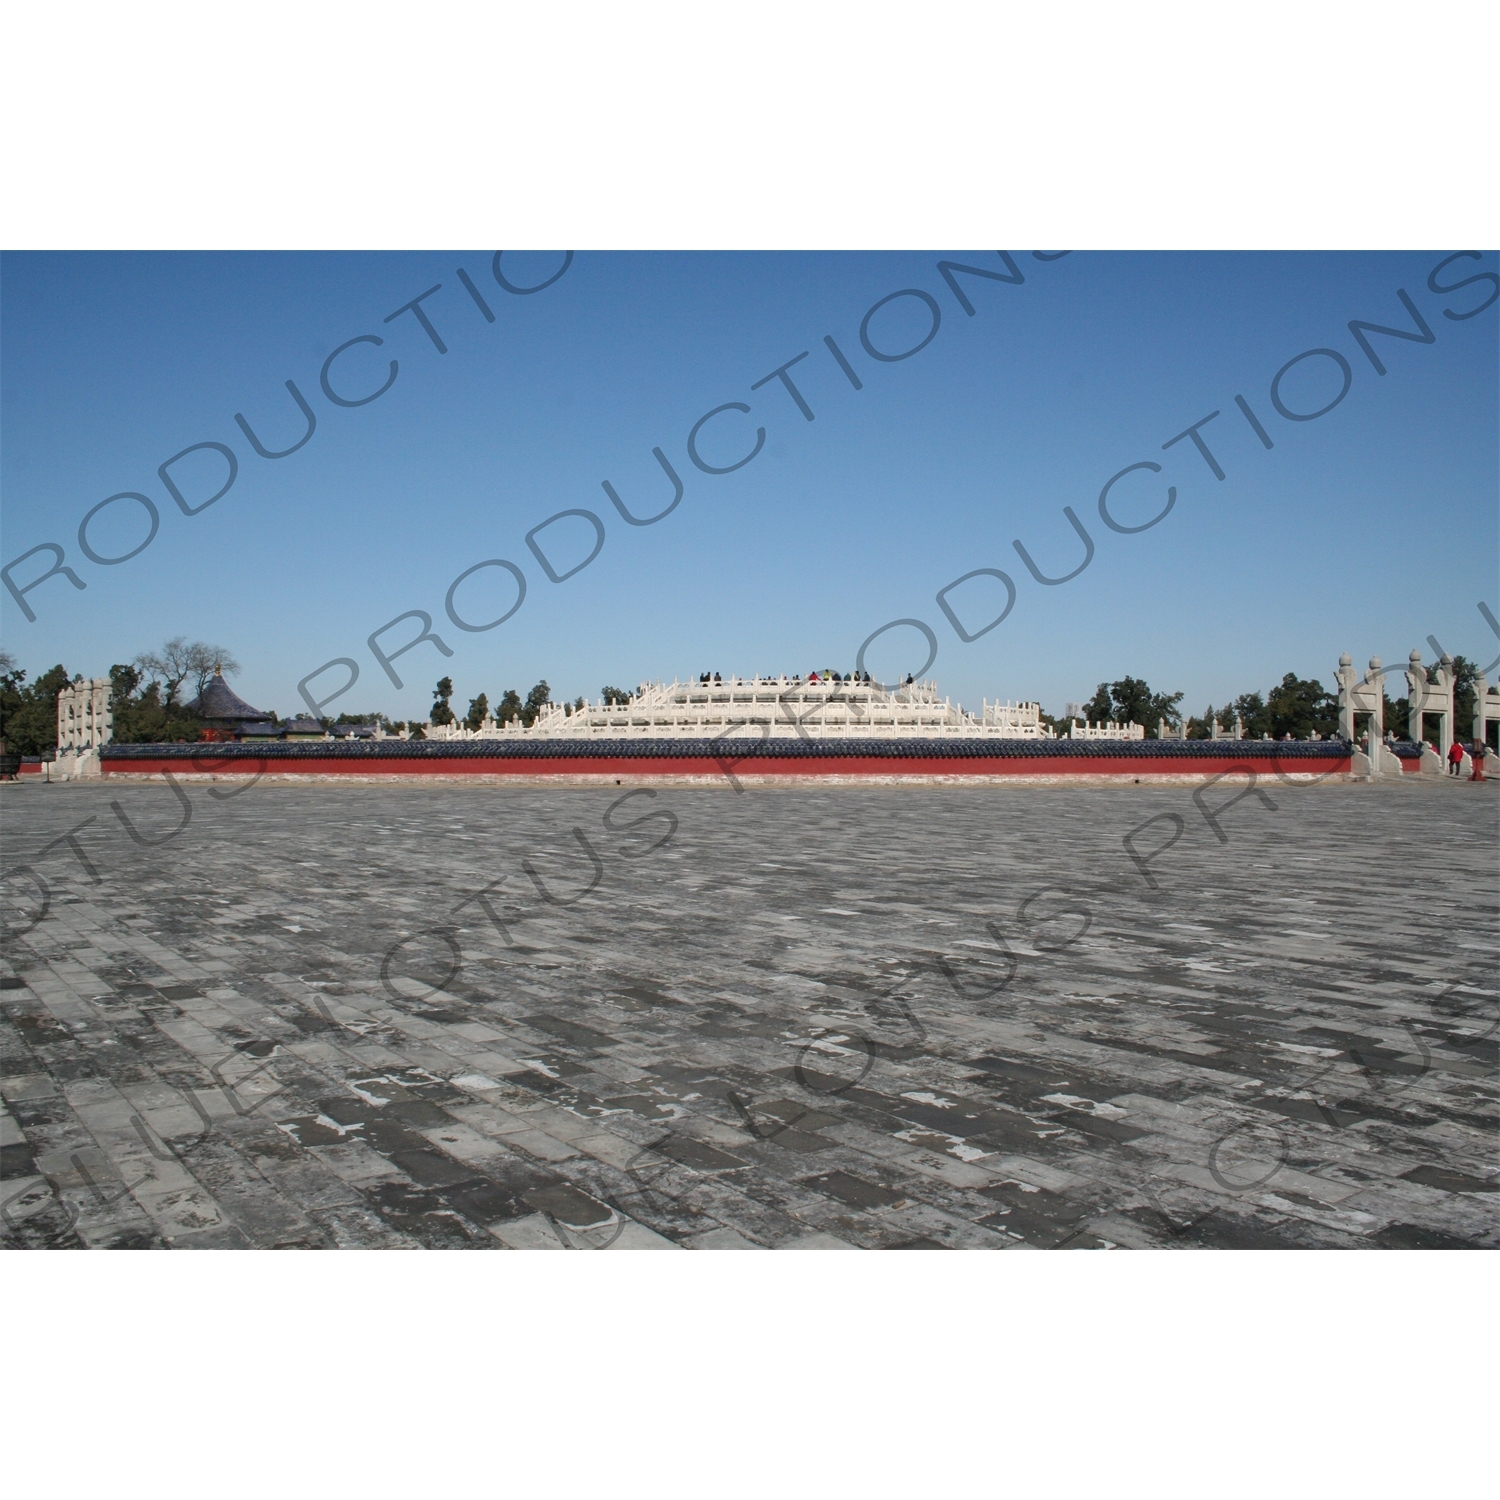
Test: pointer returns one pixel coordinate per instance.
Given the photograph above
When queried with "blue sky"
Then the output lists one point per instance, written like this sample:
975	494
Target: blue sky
1366	529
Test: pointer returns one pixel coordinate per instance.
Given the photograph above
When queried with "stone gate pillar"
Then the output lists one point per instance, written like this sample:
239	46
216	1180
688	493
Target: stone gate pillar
1366	697
1435	697
1486	709
85	724
1347	678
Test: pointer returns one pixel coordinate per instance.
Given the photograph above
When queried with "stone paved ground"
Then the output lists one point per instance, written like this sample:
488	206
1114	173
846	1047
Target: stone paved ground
869	1017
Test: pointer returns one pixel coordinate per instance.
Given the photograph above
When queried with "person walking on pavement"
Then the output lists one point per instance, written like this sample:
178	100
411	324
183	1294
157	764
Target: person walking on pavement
1455	758
1478	760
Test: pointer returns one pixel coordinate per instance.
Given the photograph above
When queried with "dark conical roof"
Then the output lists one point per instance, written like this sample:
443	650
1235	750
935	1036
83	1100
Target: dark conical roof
219	701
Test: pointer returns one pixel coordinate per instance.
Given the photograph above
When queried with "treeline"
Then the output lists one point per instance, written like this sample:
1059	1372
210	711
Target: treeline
510	707
28	711
1131	701
146	713
1295	706
142	715
147	701
145	697
1300	707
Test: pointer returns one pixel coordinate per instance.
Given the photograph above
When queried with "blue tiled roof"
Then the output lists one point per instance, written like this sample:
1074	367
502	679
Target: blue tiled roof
219	701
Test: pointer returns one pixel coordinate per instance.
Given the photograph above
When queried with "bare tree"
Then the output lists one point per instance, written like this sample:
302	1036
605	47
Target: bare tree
177	661
205	660
168	666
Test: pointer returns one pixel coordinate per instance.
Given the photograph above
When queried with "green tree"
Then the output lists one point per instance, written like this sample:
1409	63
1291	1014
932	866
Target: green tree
1397	714
1254	716
144	717
441	713
1099	709
510	706
1131	701
615	696
479	711
540	695
12	700
1295	706
31	712
1163	710
1299	708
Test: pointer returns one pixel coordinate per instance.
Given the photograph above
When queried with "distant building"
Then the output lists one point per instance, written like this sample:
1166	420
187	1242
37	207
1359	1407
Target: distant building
301	729
222	710
304	728
816	707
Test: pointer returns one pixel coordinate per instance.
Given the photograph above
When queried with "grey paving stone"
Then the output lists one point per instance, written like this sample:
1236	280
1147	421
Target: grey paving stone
909	1017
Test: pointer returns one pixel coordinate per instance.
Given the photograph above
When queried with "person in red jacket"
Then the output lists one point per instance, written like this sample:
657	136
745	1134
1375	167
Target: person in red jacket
1455	758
